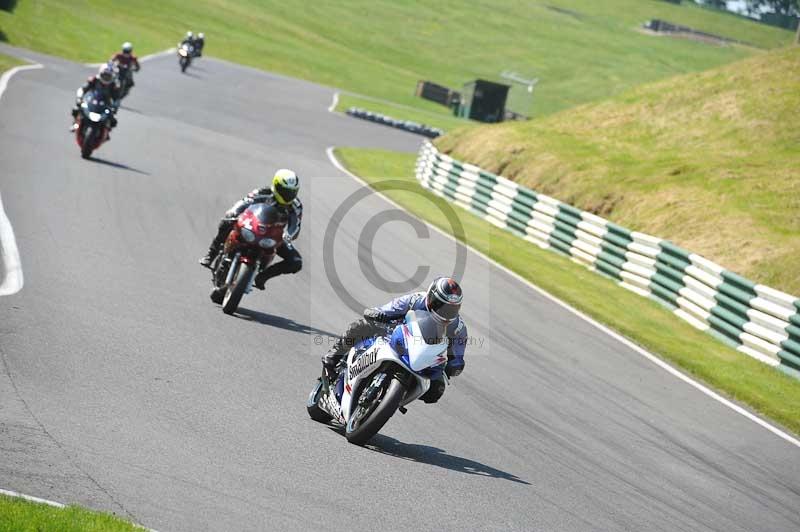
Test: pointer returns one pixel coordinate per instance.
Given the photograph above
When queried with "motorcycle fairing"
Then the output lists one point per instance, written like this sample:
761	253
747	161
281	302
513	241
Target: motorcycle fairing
362	363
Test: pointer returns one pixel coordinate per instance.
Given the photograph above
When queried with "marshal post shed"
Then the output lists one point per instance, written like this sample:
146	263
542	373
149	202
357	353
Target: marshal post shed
484	101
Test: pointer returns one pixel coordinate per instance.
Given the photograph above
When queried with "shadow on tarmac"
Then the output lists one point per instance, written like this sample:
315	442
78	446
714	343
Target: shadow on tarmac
280	322
117	165
425	454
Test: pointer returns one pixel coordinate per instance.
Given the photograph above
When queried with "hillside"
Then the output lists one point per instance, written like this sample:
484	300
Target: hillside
582	50
710	161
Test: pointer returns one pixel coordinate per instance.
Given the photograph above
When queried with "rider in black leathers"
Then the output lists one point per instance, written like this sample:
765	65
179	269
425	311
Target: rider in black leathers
283	194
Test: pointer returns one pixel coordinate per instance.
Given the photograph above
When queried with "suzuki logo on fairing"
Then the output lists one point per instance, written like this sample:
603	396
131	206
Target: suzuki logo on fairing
366	360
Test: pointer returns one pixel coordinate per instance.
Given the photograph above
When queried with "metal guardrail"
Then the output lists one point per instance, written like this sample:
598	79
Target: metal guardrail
754	319
406	125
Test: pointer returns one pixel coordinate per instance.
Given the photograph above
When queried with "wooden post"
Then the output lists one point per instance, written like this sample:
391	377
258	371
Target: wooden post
797	35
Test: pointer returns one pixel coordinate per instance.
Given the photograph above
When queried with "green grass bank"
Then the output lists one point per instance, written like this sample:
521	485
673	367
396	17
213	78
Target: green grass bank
19	515
708	160
582	50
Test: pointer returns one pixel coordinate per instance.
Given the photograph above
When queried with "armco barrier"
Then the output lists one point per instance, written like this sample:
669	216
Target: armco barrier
754	319
406	125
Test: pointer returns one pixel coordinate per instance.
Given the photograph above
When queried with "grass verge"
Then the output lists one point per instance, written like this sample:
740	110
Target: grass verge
582	50
738	376
441	119
19	515
707	160
7	62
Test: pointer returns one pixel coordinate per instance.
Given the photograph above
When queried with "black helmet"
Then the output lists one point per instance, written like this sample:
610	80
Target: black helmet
444	298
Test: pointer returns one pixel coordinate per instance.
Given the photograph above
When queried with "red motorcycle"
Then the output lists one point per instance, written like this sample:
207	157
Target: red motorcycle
251	246
94	122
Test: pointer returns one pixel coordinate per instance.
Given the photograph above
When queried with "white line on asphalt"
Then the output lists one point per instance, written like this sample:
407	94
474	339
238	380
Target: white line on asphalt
17	495
7	75
143	58
9	254
158	54
334	103
640	350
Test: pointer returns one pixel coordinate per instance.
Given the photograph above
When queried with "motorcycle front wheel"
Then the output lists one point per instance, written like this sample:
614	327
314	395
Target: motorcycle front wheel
312	405
89	138
236	291
368	419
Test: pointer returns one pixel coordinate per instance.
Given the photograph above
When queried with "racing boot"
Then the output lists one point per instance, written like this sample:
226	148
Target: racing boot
213	250
74	126
209	257
332	358
261	278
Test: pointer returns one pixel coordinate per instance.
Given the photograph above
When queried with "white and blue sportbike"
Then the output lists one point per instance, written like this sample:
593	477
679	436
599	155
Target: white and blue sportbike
380	376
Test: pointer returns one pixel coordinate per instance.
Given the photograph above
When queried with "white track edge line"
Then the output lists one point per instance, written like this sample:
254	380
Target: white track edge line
638	349
18	495
143	58
334	102
4	79
31	498
9	253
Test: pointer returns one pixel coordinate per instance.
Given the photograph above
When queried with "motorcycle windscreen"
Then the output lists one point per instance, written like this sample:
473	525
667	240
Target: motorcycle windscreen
94	106
266	221
425	340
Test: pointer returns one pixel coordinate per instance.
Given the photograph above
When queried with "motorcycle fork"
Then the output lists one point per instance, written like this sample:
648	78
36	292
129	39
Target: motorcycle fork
232	269
256	269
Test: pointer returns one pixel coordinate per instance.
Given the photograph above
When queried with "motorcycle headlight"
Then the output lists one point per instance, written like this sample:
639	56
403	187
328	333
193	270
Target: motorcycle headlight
248	235
95	117
267	243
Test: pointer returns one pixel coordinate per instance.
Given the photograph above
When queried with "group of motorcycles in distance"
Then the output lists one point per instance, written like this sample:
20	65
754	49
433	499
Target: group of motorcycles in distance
98	107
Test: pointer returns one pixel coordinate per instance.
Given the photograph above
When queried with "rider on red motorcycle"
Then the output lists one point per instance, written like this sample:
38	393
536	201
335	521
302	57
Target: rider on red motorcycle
443	300
128	62
104	82
283	194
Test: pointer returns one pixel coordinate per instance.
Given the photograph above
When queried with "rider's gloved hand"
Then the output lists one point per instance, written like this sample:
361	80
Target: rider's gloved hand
374	314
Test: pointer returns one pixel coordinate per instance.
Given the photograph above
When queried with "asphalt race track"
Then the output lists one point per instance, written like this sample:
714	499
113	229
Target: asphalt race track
123	388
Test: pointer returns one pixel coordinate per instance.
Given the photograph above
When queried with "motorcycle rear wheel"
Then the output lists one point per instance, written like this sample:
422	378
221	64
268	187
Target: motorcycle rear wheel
359	431
234	294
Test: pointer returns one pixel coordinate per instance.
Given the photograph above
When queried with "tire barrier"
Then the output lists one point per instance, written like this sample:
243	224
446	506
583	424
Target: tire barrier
406	125
757	320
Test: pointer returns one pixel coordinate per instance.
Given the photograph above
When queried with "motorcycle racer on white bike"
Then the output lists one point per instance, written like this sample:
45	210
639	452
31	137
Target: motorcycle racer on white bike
400	352
443	299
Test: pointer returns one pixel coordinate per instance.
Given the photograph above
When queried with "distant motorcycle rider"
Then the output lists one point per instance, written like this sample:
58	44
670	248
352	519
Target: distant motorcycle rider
104	82
442	299
188	40
282	193
127	63
199	42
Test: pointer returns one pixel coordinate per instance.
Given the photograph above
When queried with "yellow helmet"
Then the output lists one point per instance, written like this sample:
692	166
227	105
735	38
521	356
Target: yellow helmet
285	185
